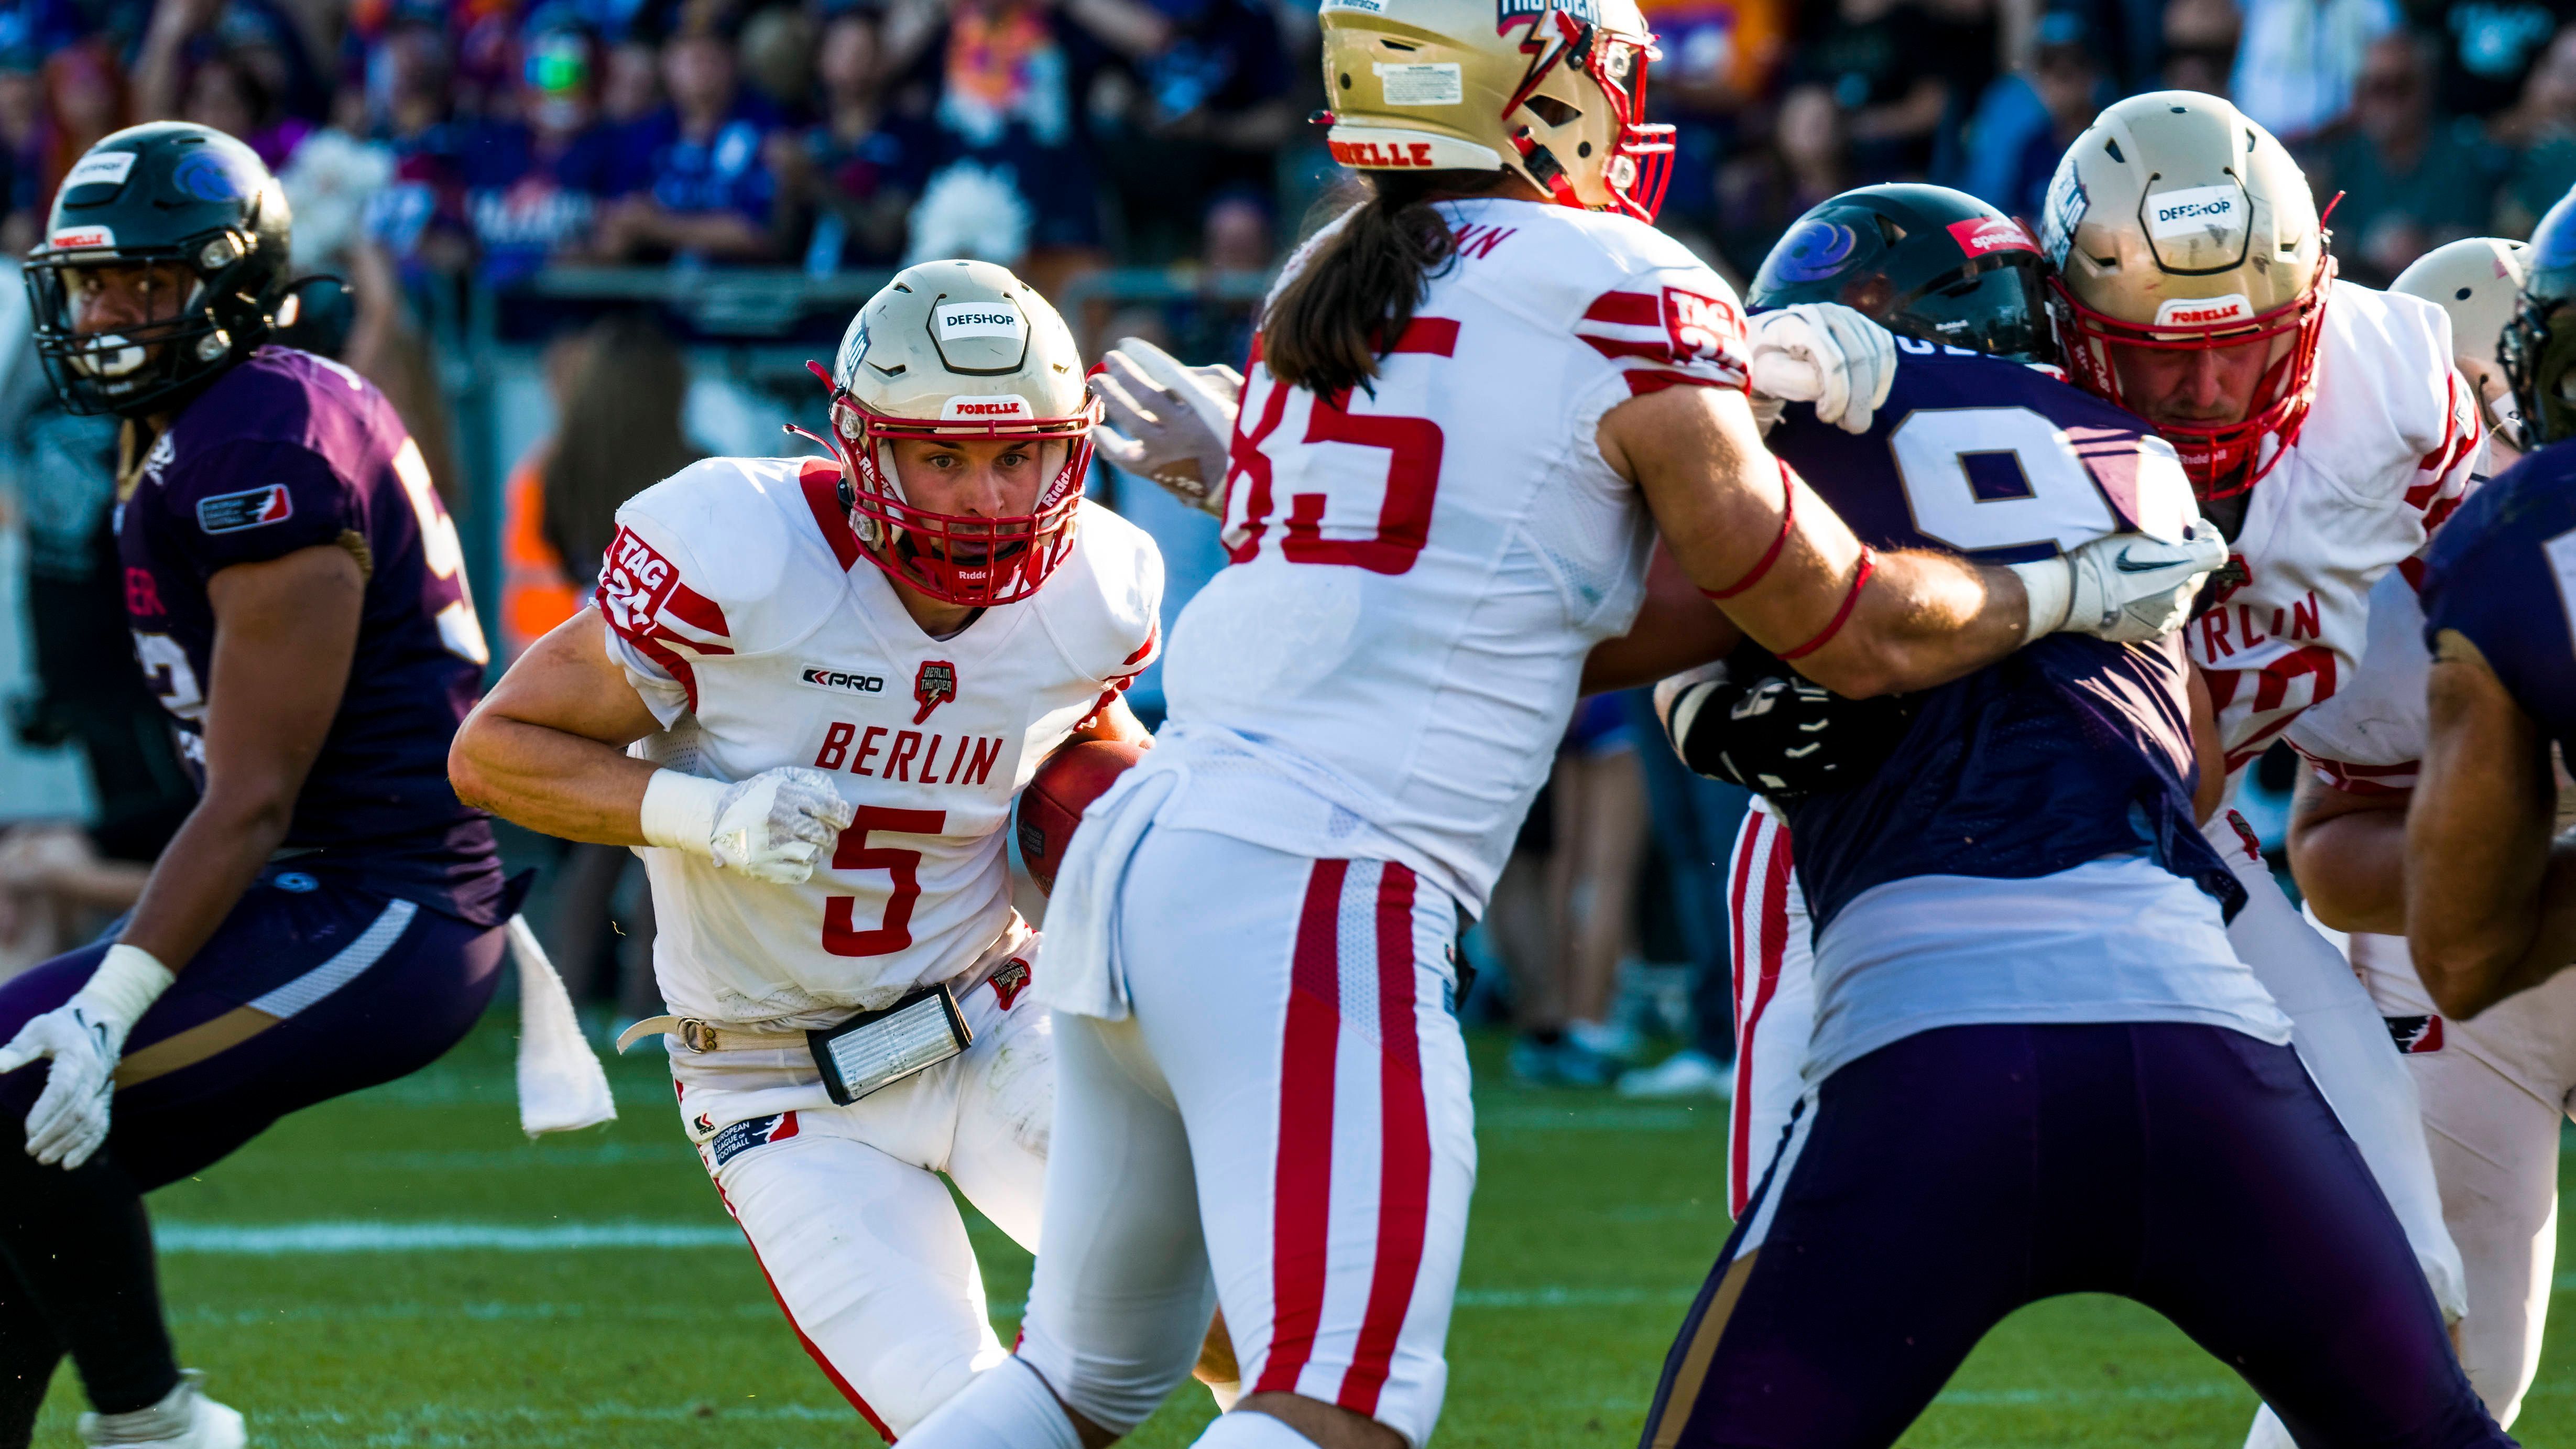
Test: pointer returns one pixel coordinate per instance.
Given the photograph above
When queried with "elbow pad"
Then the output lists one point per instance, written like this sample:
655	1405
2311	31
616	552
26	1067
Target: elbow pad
1760	724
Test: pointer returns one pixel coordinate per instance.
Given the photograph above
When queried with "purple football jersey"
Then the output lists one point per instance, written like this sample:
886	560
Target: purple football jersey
286	451
2066	751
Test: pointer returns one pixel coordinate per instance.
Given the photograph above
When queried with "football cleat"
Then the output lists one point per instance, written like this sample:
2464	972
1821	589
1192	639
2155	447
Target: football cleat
184	1419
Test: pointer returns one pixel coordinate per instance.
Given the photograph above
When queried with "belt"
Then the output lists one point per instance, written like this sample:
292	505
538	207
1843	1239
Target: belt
700	1035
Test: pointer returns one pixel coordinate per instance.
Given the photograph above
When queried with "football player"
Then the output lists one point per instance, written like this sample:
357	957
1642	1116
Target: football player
2026	1007
809	691
329	916
2493	1089
1475	397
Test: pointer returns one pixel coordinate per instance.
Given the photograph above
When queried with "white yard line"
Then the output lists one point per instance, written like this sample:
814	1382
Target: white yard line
271	1240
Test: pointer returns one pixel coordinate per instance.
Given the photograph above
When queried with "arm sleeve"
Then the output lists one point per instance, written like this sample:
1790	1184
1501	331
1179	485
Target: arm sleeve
252	501
659	628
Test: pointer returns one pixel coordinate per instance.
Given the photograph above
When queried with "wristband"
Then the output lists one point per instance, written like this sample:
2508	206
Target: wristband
679	812
128	980
2050	585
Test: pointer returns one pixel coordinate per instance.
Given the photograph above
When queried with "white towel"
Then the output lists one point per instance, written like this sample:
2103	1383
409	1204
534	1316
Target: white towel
561	1086
1082	974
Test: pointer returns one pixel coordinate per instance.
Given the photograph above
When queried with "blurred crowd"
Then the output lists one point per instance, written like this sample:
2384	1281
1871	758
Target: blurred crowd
490	138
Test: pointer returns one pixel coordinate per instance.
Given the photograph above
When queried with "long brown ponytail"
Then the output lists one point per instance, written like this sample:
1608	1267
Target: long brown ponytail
1353	297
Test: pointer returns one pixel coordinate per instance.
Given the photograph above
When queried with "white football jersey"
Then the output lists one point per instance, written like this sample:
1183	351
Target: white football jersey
1419	568
741	611
2369	739
2386	453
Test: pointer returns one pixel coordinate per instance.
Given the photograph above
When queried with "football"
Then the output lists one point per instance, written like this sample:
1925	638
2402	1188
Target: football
1064	786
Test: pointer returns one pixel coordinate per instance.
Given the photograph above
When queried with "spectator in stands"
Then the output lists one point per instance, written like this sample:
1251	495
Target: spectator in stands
225	92
1719	57
533	184
777	55
1207	115
1010	79
538	590
1809	159
631	83
856	170
419	217
258	39
2541	129
2026	122
85	98
22	139
2298	60
619	432
2488	49
2411	179
2200	45
1877	62
698	184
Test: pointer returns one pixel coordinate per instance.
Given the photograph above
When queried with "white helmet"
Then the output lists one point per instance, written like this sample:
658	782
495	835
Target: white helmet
2176	223
956	350
2478	280
1552	89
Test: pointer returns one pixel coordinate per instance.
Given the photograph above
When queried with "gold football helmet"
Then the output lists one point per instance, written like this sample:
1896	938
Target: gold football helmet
2175	222
957	350
1552	89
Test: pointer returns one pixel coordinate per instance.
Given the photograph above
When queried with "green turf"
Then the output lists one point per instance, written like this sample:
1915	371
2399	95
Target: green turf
1594	1222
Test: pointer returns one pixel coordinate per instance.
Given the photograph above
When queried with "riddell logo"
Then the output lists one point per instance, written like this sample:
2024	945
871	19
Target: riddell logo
1979	235
1394	155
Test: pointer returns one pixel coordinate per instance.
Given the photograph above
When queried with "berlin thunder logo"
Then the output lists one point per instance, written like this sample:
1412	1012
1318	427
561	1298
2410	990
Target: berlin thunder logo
932	686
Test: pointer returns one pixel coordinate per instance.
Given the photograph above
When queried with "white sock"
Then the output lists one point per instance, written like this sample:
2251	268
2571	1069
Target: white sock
1007	1407
1248	1429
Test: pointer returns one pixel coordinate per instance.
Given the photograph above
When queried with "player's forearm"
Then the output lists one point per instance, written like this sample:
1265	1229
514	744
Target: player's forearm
1922	619
549	781
218	851
2492	945
2349	857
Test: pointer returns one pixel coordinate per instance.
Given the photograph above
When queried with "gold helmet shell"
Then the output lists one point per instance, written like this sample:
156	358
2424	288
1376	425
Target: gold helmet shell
1554	90
2175	222
956	351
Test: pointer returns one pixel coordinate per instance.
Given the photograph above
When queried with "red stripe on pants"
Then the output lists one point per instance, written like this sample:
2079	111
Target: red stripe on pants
1302	1184
1773	926
1404	1137
813	1350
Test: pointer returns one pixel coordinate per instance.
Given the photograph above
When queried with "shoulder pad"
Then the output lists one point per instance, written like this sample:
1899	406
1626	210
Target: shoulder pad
1104	606
2384	388
741	535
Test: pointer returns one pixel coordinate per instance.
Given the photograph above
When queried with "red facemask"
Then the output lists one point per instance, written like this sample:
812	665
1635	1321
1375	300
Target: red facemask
956	558
1641	154
2220	458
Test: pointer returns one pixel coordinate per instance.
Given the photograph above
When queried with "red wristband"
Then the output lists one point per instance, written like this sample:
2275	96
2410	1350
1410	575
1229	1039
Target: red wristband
1868	561
1788	512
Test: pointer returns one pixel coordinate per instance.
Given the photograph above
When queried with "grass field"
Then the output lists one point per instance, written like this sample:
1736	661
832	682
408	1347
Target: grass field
402	1268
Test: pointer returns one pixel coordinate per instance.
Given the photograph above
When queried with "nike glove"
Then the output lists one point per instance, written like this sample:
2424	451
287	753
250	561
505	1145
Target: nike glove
772	827
83	1039
2125	587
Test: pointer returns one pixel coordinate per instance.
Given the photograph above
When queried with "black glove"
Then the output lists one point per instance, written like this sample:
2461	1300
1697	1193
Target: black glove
1756	722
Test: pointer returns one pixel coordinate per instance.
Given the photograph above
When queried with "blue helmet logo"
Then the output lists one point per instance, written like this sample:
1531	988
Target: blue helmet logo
1813	251
205	174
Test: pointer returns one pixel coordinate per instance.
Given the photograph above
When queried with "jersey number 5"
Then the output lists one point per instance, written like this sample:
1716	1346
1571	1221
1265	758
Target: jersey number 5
841	934
1412	445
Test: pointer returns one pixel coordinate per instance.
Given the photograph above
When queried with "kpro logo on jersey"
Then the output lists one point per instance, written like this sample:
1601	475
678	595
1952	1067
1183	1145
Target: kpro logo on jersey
1979	235
2203	311
741	1137
841	680
250	508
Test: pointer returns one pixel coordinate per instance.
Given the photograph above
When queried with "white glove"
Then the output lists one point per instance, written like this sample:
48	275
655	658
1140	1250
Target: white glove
772	827
2125	587
1168	422
83	1038
1826	354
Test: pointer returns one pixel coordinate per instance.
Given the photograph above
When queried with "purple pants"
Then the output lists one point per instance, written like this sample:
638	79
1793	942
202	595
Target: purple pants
1931	1188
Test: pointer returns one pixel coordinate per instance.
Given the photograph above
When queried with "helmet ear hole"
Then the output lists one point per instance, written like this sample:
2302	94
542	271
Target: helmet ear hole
1553	111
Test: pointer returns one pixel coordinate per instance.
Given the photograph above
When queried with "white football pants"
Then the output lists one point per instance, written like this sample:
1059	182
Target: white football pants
2335	1028
2496	1091
1281	1125
845	1209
